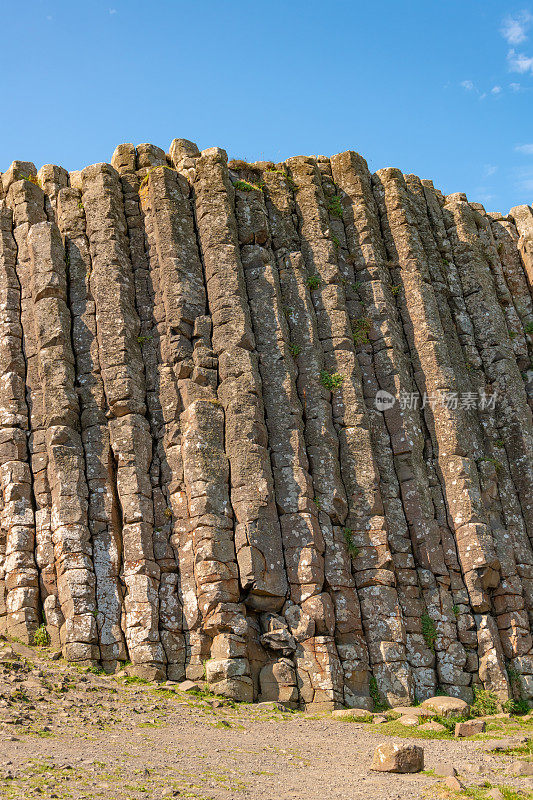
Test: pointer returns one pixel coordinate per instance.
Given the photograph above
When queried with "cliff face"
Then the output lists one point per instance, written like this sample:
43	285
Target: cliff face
267	422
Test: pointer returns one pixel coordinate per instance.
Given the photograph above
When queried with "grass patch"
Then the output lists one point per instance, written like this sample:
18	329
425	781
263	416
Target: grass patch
132	679
246	186
525	750
294	350
223	724
41	637
395	729
377	701
31	179
313	281
348	538
331	380
429	631
485	703
335	207
360	329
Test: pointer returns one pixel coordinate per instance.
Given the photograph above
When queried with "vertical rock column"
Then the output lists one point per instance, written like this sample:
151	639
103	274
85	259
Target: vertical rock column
433	375
514	415
398	438
177	363
506	241
457	327
26	199
117	326
19	588
498	491
319	435
510	422
257	532
159	405
187	351
375	575
433	364
489	250
310	613
66	463
103	512
500	497
52	179
523	219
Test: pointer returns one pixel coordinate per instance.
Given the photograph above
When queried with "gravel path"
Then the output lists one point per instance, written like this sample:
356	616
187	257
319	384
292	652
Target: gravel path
67	734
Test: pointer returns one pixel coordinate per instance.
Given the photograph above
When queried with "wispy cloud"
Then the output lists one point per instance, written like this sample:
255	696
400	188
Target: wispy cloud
489	169
514	29
496	90
514	87
468	85
525	180
483	195
519	62
527	149
112	10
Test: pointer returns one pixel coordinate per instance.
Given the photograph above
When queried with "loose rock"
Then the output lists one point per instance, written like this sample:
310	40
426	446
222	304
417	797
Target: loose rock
398	758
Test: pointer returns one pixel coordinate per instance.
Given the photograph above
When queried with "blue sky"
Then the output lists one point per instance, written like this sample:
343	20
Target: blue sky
441	88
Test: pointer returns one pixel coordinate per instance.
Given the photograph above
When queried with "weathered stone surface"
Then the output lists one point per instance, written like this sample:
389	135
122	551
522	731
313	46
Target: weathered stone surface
446	706
351	713
402	758
469	728
436	727
409	722
444	770
247	434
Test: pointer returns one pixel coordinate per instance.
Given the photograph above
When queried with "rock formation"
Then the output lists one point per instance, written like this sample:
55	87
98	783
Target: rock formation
268	424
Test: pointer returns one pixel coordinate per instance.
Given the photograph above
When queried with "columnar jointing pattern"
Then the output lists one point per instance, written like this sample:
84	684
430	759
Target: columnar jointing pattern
195	474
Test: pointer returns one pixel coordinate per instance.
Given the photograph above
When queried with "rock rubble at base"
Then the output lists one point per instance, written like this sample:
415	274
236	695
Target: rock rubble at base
195	476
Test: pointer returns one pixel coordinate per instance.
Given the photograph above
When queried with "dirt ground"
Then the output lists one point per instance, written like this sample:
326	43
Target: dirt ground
65	733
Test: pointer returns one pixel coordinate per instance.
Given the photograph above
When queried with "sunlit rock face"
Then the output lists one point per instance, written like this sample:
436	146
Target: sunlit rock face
269	425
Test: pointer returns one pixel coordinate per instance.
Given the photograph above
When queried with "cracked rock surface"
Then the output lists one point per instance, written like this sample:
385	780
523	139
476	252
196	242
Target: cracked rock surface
267	425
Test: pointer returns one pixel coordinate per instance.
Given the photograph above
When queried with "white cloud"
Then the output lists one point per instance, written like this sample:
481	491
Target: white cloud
468	85
489	169
524	179
483	195
526	184
514	29
527	149
519	62
514	87
496	90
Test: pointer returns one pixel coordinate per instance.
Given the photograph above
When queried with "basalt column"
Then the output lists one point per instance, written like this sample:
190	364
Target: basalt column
267	426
